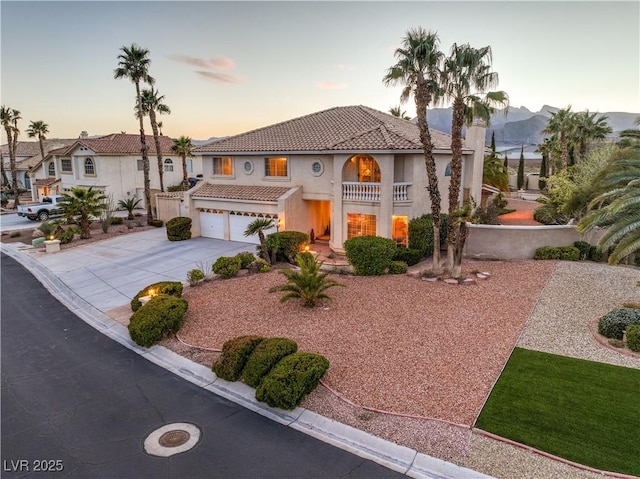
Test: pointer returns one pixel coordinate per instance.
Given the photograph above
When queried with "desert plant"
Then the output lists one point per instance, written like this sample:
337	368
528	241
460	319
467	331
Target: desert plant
81	205
129	205
258	227
260	265
227	266
48	228
195	276
246	258
370	255
292	379
309	284
179	228
235	353
633	337
66	235
173	288
285	245
398	267
613	324
264	357
117	220
158	319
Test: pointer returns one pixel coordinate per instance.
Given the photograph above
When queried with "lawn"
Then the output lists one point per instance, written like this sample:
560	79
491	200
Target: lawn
584	411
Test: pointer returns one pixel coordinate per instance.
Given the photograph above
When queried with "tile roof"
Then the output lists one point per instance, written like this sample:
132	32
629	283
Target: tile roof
340	128
31	149
124	144
46	181
240	192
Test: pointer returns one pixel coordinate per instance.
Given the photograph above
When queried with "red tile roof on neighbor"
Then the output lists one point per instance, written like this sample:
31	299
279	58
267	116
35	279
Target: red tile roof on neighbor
238	192
46	181
343	128
123	144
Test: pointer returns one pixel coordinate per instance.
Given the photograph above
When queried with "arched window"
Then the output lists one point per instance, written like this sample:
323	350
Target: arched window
447	170
168	165
89	166
52	168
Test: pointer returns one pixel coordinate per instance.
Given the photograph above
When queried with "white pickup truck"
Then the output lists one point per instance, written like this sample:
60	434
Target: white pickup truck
49	208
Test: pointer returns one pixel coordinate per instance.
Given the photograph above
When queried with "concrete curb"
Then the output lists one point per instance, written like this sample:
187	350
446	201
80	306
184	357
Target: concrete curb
398	458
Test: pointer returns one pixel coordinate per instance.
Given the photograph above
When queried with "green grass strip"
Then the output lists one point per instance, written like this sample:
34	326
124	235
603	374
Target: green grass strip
584	411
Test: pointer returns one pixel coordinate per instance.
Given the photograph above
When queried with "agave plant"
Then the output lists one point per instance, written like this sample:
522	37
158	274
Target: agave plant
129	204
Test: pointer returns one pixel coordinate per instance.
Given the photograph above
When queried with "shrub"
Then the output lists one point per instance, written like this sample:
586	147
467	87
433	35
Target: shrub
595	254
158	223
246	258
66	236
633	337
173	288
195	276
235	353
259	265
264	357
407	255
158	319
420	233
370	255
14	234
584	249
285	245
179	228
567	253
117	220
547	215
292	379
227	266
398	267
613	324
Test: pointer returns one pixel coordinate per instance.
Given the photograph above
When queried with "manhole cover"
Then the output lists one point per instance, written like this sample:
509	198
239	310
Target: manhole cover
172	439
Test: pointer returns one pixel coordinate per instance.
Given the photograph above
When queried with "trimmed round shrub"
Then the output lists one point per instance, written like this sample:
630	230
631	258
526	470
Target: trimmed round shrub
292	379
161	317
179	228
246	258
547	215
370	255
285	245
173	288
235	353
567	253
259	266
398	267
407	255
264	357
195	276
633	337
227	266
613	324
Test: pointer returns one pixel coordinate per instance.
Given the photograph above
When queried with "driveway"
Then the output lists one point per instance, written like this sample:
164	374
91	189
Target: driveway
13	222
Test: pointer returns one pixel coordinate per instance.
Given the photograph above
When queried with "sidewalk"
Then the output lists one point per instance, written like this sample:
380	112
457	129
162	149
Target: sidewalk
91	280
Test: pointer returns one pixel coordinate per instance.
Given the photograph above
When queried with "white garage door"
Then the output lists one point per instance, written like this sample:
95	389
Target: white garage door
212	224
238	224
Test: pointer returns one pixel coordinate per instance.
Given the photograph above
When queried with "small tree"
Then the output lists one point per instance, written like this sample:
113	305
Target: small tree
308	284
81	205
129	204
521	170
258	227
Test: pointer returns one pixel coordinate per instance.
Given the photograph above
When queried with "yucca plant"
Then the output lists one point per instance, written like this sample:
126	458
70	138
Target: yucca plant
129	204
309	284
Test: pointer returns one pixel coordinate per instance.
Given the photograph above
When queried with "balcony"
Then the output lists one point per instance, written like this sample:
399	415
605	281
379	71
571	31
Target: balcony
355	191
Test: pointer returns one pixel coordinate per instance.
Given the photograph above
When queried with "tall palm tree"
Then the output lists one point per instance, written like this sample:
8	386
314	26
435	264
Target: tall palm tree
258	227
82	205
9	118
618	208
562	123
152	104
465	80
182	146
160	125
417	70
133	63
589	128
397	112
494	173
5	117
39	129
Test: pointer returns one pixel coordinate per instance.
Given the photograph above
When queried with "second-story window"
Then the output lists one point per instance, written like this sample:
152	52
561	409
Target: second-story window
89	167
168	165
52	168
65	165
276	167
223	166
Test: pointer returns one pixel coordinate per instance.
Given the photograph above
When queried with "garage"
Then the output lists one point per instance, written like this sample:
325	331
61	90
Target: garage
238	223
212	224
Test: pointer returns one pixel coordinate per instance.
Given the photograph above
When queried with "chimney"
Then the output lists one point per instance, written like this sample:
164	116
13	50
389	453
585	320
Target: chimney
475	140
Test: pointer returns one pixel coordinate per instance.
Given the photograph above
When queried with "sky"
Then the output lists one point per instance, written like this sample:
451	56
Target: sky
229	67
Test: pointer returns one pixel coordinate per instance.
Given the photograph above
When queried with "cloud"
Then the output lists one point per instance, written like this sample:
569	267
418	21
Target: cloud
329	85
219	77
221	63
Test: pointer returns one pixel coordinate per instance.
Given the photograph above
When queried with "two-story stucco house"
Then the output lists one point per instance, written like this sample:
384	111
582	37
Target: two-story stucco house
111	164
342	172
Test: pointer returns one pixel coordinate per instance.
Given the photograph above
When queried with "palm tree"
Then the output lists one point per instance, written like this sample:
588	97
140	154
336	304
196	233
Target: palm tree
258	226
465	80
588	128
308	284
494	173
562	123
629	138
618	208
182	146
9	118
397	112
152	104
129	204
133	63
81	205
5	117
160	125
39	129
417	70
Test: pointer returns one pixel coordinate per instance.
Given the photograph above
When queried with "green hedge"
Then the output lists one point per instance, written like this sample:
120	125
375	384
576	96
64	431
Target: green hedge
156	320
398	267
179	228
173	288
292	379
235	353
370	255
246	258
613	324
227	266
420	233
264	357
285	245
567	253
407	255
633	337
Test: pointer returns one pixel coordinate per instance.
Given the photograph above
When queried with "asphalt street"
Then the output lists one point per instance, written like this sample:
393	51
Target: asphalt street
77	404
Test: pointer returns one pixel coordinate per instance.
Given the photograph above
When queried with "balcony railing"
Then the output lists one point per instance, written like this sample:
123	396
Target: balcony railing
355	191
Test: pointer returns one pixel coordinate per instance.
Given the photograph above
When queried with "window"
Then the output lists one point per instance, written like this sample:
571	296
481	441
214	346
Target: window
140	165
189	166
360	225
400	226
65	165
317	168
223	166
89	167
168	165
52	168
368	170
447	170
276	166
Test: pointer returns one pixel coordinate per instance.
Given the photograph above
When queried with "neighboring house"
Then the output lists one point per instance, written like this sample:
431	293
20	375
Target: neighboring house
111	164
342	172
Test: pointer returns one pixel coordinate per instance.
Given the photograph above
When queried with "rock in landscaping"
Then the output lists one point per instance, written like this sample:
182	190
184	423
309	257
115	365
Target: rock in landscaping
451	281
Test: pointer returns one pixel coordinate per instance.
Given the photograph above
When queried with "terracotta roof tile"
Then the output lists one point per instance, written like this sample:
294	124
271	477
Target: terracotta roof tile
123	144
46	181
339	128
240	192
